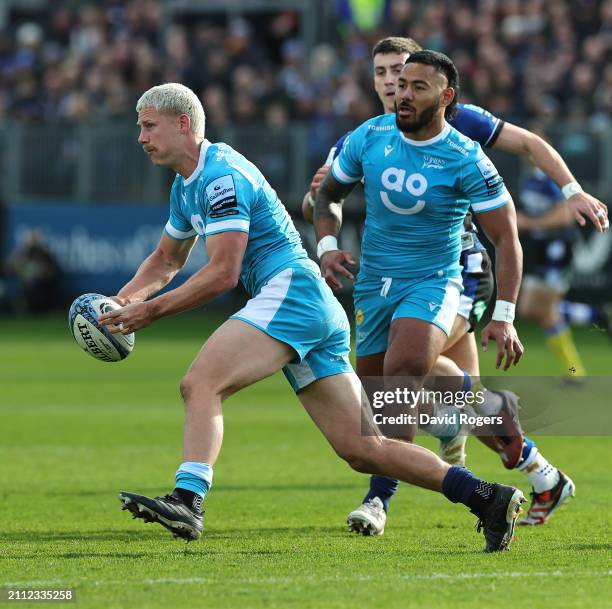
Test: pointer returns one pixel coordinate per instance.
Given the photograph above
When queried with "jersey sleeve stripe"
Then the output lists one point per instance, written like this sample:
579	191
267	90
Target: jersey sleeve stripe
339	174
490	204
224	225
178	234
495	133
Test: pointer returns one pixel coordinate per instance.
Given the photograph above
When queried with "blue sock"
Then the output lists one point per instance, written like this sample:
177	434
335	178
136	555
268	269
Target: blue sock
528	446
467	382
194	477
461	486
383	488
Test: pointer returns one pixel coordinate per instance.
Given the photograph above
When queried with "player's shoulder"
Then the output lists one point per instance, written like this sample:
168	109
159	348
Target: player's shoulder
383	123
227	172
477	123
472	110
462	145
336	149
222	159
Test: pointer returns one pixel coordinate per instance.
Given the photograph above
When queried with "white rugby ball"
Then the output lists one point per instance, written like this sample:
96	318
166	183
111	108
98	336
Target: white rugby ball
93	338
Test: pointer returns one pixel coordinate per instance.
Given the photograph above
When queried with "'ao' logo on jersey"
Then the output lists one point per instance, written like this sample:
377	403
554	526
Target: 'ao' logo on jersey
395	179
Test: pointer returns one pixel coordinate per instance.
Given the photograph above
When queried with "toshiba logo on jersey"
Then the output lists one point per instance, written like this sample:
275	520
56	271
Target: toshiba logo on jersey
395	179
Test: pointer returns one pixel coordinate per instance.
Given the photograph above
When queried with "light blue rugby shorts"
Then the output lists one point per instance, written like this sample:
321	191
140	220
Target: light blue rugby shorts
297	307
380	300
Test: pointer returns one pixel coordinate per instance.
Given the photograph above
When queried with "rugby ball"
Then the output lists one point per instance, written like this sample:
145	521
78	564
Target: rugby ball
93	338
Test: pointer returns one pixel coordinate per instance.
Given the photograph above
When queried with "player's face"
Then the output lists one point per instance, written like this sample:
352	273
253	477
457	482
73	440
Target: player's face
387	68
421	94
159	136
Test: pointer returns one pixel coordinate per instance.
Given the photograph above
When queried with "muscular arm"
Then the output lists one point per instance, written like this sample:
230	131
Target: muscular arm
327	221
500	227
219	275
327	209
157	270
517	140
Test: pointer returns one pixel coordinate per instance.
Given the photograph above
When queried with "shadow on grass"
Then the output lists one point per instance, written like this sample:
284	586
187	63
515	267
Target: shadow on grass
158	534
81	536
331	487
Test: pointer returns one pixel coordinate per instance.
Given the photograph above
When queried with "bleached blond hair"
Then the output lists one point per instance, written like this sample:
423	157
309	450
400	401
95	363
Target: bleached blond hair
174	98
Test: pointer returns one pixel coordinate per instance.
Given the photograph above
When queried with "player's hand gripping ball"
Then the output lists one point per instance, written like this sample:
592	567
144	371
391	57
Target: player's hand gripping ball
92	337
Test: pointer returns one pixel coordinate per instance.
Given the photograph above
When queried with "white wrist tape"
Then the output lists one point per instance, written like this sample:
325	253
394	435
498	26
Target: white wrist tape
504	311
327	244
571	189
311	201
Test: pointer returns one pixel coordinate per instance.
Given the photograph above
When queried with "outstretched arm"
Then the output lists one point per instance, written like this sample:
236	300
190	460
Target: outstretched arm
220	274
516	140
157	270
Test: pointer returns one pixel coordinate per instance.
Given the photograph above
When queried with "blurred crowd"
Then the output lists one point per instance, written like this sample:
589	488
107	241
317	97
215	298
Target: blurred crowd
521	59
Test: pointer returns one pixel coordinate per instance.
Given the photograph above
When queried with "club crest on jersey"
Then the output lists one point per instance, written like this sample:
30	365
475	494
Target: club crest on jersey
432	162
395	179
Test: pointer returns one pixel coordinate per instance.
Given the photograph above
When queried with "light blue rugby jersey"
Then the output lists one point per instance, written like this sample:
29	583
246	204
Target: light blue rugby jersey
417	194
226	192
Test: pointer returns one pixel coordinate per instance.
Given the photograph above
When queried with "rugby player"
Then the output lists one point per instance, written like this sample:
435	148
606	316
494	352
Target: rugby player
550	486
292	322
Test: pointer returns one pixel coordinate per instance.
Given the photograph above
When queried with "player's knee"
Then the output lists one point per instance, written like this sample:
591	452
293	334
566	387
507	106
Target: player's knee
186	387
359	456
202	385
413	365
195	385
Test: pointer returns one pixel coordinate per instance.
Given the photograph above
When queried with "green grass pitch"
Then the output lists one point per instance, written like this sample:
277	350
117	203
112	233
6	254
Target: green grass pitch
75	431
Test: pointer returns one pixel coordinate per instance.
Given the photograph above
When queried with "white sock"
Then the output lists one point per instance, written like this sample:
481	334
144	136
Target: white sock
541	474
446	425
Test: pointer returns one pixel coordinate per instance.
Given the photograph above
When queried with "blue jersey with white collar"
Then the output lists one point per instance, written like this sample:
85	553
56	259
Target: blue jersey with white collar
417	195
475	122
227	192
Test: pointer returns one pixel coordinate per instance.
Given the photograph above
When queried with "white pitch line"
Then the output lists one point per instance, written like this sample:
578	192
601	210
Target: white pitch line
313	578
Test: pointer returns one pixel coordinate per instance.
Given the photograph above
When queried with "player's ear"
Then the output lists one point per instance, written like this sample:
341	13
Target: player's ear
184	124
447	97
